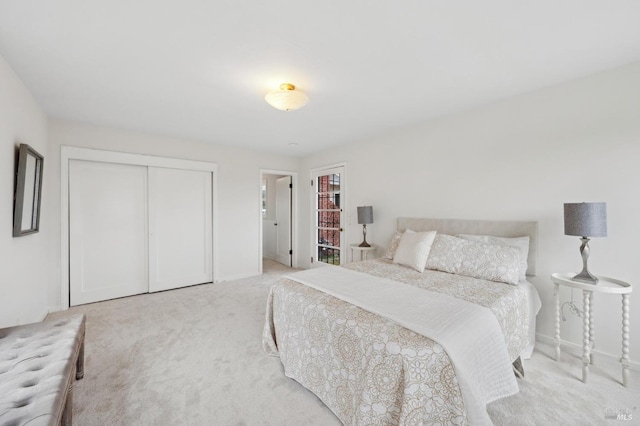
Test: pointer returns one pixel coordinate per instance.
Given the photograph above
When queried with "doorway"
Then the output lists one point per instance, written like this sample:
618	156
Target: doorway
277	224
328	205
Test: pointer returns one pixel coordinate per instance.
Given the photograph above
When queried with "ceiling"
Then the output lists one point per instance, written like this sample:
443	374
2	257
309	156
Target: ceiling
199	69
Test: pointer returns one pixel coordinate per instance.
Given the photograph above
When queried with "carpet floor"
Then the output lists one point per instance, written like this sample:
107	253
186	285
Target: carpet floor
193	356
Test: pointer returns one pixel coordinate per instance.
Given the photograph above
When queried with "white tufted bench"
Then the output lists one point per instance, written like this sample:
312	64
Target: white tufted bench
38	364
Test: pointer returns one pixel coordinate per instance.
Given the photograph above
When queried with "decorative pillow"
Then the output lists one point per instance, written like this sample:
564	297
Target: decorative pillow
474	259
413	249
393	246
521	243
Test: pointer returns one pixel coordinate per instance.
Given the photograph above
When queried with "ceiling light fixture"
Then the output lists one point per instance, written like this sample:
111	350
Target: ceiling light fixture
287	98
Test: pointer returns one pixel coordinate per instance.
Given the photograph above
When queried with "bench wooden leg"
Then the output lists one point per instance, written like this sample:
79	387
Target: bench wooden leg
67	414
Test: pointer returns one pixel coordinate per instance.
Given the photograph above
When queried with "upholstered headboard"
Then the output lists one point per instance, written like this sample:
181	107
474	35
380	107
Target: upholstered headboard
497	228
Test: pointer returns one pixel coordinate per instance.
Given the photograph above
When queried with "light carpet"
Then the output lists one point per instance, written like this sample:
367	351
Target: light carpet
193	356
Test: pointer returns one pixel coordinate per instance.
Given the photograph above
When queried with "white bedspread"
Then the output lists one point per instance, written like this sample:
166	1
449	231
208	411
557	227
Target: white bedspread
469	333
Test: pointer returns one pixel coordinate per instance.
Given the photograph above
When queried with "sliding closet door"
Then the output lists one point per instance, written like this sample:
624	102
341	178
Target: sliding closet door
107	231
180	228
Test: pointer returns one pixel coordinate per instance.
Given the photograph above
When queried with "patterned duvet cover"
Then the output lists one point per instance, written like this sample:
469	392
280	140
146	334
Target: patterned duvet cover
369	370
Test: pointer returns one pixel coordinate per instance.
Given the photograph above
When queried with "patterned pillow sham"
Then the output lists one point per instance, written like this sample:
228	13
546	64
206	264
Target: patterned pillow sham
521	243
393	246
474	259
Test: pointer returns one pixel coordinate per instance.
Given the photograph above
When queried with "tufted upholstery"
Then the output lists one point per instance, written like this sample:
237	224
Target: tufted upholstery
38	363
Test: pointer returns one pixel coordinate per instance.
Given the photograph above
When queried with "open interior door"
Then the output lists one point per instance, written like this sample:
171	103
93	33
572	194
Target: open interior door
283	220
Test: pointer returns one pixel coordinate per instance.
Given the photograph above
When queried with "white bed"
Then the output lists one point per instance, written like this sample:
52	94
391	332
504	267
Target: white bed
367	368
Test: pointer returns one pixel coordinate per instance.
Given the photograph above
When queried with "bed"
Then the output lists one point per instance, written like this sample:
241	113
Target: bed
371	365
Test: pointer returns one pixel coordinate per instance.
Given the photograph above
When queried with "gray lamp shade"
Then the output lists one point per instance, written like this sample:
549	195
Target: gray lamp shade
585	219
365	215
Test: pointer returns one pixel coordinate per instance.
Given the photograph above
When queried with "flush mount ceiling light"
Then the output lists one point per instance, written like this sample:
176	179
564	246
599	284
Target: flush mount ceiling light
287	98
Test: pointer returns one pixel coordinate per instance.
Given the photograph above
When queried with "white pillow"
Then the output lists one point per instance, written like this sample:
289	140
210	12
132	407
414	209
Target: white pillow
521	243
413	249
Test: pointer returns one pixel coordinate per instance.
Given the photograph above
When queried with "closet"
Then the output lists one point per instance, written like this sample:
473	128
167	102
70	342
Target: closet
137	228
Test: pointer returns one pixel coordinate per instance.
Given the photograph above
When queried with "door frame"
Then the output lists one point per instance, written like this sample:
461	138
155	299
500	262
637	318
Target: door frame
294	214
344	201
68	153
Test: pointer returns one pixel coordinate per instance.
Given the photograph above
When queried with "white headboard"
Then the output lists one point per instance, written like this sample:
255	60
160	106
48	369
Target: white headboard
497	228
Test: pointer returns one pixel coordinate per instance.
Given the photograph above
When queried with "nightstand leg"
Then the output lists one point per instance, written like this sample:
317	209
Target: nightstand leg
556	292
591	333
625	340
585	335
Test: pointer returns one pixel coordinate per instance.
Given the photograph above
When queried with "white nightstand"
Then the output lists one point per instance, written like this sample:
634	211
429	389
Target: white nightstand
605	285
364	251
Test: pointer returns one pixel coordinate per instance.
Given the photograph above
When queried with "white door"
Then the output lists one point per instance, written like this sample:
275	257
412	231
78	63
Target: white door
180	228
283	220
328	199
107	231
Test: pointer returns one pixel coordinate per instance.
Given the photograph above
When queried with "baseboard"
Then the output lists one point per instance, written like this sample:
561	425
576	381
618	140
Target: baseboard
575	349
237	277
53	309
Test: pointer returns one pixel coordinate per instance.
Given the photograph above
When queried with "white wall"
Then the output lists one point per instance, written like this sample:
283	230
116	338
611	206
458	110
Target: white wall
517	159
238	197
23	260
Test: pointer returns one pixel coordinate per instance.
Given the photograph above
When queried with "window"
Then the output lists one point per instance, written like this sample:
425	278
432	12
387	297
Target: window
328	194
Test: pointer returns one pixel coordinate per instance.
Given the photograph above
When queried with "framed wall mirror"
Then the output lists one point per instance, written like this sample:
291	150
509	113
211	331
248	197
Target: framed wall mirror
26	208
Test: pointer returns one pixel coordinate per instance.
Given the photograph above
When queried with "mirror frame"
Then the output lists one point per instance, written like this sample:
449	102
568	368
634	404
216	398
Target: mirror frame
33	193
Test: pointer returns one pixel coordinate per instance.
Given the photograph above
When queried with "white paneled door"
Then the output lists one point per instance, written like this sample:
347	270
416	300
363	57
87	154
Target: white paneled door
107	231
136	229
180	237
283	220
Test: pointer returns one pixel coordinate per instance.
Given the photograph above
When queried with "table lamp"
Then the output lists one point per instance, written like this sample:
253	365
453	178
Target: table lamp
585	220
365	216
